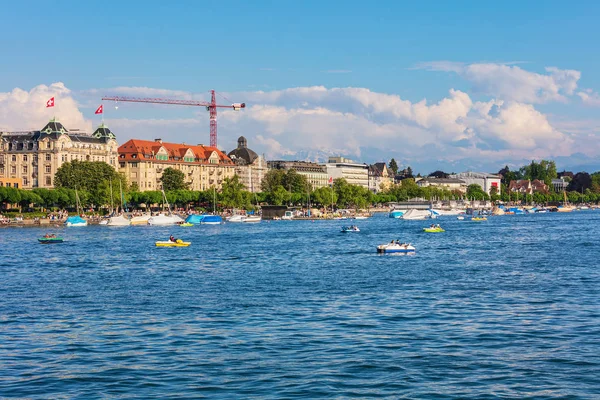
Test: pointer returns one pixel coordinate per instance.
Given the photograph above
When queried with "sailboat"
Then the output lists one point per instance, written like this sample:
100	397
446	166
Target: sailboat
76	220
162	219
119	220
565	207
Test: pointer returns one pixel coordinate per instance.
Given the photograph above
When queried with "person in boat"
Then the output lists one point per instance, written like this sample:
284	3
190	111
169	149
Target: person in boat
172	239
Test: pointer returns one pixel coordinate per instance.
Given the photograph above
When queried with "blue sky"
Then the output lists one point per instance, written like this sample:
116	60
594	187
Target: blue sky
496	54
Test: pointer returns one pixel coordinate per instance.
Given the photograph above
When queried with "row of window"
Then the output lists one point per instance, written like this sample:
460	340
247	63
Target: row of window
15	185
21	146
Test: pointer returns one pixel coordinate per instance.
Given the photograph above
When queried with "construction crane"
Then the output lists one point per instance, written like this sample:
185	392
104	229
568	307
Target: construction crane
210	107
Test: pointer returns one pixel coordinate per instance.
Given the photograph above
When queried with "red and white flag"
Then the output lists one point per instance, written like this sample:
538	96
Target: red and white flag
99	110
50	102
330	180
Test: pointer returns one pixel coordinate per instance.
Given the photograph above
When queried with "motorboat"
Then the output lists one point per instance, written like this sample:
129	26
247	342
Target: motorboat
396	247
162	219
75	221
414	214
50	239
252	219
434	229
204	219
168	243
353	228
140	219
118	220
238	218
103	222
288	216
396	213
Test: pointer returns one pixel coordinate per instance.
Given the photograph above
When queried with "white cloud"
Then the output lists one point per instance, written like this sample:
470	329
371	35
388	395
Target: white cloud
142	91
590	97
26	110
355	122
511	82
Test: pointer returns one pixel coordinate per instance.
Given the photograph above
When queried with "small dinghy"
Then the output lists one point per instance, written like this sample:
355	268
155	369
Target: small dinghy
396	247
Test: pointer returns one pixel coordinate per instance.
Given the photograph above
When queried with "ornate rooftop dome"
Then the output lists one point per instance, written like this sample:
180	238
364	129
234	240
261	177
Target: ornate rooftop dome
242	155
102	132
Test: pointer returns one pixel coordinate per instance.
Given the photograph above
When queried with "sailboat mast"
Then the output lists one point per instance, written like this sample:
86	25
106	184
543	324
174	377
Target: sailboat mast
111	196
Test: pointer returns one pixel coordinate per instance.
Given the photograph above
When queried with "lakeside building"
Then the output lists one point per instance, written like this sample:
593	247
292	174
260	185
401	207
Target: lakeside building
32	158
444	183
353	173
380	177
249	166
143	163
10	182
559	185
483	179
316	174
525	186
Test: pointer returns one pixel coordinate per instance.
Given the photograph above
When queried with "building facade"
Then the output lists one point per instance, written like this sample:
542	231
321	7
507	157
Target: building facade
143	163
34	157
353	173
485	180
316	174
380	177
525	186
443	183
559	185
249	166
11	182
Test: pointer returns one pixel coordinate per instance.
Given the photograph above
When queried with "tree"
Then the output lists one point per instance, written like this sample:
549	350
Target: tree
544	171
508	175
474	191
279	196
324	196
295	182
173	179
581	181
438	174
92	177
394	166
272	179
233	194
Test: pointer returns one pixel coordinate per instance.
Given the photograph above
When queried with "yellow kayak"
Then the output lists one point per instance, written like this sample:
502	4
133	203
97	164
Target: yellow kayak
433	230
168	243
186	224
479	219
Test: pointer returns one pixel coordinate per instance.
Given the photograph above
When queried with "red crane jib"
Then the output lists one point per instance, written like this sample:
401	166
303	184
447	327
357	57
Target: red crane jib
211	107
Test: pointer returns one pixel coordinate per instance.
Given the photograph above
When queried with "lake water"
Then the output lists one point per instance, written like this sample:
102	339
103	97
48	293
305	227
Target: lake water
507	308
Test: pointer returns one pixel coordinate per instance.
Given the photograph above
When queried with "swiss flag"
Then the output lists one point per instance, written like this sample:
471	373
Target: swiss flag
99	110
50	102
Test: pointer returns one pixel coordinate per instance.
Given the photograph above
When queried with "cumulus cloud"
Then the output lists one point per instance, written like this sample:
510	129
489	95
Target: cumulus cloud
589	97
511	82
317	120
22	110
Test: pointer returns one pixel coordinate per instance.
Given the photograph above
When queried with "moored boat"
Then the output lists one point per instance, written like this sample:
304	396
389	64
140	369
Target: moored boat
162	219
396	213
118	220
75	221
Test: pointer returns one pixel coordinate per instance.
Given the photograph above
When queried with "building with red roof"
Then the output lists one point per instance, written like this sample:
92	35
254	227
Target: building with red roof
143	162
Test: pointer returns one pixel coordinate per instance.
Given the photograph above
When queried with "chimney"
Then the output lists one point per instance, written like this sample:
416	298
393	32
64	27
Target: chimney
159	140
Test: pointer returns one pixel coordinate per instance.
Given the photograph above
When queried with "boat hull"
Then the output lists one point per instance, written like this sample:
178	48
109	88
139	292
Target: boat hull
171	244
387	248
50	240
433	230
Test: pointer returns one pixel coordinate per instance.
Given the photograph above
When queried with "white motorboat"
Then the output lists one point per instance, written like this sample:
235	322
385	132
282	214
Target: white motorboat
140	220
415	214
395	247
238	218
119	220
288	216
353	228
252	219
162	219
